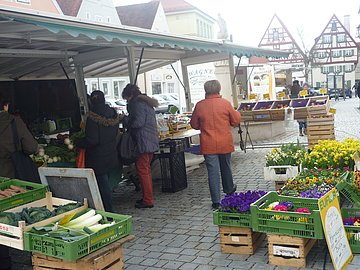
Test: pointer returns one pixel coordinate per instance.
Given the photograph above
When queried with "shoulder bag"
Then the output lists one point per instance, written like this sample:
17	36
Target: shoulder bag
127	150
25	168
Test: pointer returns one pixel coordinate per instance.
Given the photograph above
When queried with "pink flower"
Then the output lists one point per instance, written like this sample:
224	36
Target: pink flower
280	207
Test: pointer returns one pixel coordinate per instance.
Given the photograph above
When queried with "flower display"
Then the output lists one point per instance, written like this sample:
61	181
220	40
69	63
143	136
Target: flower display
239	202
287	154
286	206
314	183
332	154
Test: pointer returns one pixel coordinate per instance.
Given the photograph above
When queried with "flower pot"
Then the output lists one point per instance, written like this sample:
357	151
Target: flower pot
280	173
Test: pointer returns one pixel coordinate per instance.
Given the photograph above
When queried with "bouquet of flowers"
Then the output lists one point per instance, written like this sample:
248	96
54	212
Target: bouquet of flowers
240	202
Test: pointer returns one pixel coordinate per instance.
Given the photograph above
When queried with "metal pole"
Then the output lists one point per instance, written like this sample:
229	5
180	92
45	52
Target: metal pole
139	64
233	86
81	91
131	63
187	87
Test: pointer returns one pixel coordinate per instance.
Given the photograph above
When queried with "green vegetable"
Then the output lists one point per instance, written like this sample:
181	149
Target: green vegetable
67	207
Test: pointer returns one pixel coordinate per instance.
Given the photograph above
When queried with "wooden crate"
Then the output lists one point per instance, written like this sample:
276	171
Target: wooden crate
246	116
315	108
13	236
289	251
320	128
236	240
109	257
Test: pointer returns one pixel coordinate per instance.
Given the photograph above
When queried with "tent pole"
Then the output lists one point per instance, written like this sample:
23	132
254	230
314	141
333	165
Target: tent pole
186	83
139	64
233	85
81	91
131	64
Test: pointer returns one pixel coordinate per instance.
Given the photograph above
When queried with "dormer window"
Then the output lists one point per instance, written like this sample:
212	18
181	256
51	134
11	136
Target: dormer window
23	1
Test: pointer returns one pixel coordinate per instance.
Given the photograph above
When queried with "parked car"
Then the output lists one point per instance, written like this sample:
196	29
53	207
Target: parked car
118	104
314	91
170	98
333	93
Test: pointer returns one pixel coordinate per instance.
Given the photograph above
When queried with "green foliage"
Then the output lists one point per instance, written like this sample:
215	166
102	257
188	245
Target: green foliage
287	154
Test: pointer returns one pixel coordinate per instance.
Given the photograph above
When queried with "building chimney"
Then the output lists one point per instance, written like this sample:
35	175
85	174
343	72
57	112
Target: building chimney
347	22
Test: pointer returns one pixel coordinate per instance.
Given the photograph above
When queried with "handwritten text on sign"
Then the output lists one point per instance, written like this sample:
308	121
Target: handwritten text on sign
334	230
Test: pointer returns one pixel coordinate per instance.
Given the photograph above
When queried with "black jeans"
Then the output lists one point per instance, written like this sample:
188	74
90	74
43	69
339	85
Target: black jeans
5	260
105	190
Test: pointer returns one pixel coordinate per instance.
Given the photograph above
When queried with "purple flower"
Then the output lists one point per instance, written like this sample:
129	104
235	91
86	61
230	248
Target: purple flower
348	221
240	202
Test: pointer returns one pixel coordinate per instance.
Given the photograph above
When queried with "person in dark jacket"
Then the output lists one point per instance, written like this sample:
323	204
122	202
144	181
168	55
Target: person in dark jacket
28	145
142	125
102	125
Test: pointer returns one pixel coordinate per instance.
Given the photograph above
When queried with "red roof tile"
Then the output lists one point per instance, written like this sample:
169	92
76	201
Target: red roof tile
139	15
69	7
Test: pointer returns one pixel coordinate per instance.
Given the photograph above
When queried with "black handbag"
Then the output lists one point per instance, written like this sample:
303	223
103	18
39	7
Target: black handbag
127	150
25	168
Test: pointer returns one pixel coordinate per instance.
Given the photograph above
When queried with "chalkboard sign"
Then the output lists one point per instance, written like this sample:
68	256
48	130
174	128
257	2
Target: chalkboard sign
73	184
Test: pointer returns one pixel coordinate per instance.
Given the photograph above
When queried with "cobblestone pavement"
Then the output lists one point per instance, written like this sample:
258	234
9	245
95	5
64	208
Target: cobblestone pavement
178	233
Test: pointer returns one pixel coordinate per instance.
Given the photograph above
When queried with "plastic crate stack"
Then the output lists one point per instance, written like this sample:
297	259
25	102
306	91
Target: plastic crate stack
172	164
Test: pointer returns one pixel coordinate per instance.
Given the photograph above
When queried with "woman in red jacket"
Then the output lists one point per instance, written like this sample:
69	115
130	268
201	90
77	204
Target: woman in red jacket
214	117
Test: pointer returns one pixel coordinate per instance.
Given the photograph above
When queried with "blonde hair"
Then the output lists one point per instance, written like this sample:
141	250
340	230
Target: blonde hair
212	87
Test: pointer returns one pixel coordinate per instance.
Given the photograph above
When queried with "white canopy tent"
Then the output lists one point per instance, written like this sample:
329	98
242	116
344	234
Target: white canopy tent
34	46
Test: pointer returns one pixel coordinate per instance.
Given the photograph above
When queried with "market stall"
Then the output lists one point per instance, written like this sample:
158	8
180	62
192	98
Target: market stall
303	208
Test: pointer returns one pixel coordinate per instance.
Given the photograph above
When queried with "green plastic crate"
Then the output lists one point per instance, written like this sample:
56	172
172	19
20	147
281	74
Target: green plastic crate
351	230
34	192
3	179
287	223
71	251
232	219
349	192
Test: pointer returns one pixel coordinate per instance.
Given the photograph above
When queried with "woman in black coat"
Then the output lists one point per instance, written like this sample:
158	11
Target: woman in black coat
101	129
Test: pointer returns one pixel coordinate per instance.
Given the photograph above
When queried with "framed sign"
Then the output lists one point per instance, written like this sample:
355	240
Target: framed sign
72	184
334	230
323	91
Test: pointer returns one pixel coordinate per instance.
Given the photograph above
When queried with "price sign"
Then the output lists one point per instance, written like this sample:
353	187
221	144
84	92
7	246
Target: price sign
266	96
334	230
281	95
303	93
252	96
323	91
332	110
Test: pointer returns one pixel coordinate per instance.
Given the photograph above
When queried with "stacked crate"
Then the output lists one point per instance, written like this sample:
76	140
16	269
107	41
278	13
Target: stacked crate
245	109
318	106
236	234
320	127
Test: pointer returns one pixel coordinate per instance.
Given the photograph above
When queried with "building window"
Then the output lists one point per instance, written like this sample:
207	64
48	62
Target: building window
198	27
275	35
171	87
321	55
326	38
349	68
108	19
336	54
156	88
98	18
349	52
24	1
118	86
340	38
105	88
94	86
325	70
337	69
88	15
